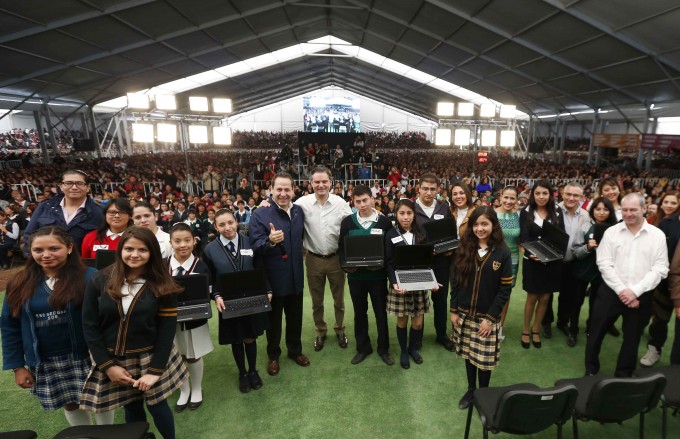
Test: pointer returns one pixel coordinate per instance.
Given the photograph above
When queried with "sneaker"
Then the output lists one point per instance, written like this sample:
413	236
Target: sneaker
651	357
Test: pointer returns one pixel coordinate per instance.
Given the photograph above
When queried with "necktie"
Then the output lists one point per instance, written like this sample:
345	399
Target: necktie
180	271
231	248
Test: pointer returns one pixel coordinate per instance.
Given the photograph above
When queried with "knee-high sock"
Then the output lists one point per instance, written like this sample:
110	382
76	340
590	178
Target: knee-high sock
239	357
163	419
484	378
105	418
196	378
402	336
251	355
185	388
471	371
77	417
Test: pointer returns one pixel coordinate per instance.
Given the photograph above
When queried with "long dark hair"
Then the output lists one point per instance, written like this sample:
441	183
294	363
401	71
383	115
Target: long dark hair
155	272
550	206
466	190
610	181
469	243
661	215
418	235
123	206
70	278
611	219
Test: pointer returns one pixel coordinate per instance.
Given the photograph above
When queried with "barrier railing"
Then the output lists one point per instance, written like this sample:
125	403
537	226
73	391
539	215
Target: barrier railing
27	189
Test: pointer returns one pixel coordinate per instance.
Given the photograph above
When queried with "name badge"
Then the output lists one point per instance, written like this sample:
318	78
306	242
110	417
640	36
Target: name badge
100	247
246	252
376	232
397	239
438	217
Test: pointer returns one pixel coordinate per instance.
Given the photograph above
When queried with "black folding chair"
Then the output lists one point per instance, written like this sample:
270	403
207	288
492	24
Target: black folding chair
133	430
522	408
20	434
607	400
670	398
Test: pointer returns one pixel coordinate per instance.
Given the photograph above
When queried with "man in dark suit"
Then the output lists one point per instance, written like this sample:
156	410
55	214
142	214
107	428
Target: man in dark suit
276	236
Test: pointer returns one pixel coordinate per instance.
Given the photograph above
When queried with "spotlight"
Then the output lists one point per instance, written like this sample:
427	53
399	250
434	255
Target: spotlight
138	100
221	105
489	137
166	132
444	108
461	137
466	109
142	132
508	138
198	103
442	137
221	136
487	110
166	102
508	111
198	134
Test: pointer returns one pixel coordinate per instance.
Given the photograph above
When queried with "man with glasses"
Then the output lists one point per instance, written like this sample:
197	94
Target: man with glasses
73	209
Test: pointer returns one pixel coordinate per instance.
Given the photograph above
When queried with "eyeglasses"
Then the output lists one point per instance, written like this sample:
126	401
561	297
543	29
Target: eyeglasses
428	189
116	213
74	183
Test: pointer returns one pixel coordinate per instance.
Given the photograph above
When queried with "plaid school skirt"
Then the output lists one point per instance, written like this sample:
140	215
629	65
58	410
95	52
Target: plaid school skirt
410	304
101	395
483	353
59	380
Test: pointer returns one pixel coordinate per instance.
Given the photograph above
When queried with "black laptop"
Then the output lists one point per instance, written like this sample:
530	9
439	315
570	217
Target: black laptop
364	251
244	293
598	232
104	258
194	302
442	234
413	267
551	245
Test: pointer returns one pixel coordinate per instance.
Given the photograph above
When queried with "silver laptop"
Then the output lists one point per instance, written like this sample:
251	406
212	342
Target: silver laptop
364	251
551	245
413	267
442	234
194	302
244	293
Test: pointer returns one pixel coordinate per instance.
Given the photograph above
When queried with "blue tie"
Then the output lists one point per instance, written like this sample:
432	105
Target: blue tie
231	248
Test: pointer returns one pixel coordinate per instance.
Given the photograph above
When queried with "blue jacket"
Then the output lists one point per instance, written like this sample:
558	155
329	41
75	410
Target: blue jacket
284	275
19	341
49	213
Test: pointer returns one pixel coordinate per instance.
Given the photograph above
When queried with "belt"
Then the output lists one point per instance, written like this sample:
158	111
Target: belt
328	256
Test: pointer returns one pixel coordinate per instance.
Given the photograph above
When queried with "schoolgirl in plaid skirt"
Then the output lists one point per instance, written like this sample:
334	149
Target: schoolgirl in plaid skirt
42	334
480	288
129	321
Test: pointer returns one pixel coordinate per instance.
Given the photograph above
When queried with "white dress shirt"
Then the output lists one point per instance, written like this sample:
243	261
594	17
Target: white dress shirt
129	291
68	218
164	241
638	262
322	222
428	210
174	264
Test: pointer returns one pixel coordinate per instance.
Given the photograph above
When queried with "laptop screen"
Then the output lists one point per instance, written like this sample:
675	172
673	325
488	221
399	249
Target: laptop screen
364	247
555	236
104	258
441	230
196	289
598	231
413	256
242	283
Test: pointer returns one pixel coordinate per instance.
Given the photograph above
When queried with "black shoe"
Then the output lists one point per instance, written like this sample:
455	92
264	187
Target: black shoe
359	357
613	331
546	331
537	344
319	342
195	405
525	344
342	340
448	344
403	360
466	400
387	359
571	340
416	356
179	408
255	380
564	328
244	383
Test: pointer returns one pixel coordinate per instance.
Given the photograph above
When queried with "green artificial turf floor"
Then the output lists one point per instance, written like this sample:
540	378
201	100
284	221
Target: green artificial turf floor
334	399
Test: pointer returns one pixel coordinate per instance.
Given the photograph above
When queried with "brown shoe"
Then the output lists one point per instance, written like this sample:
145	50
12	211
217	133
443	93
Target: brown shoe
273	367
319	342
300	359
342	340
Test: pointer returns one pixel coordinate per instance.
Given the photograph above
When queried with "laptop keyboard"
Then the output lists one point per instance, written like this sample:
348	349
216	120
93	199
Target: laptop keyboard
194	310
423	276
246	303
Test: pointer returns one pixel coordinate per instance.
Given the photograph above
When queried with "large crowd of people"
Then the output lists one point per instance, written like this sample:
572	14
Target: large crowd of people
264	210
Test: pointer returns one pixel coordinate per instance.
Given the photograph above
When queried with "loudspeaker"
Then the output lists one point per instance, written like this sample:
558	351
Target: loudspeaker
83	145
535	148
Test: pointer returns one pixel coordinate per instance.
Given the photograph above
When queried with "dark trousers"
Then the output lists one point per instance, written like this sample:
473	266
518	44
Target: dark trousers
608	307
594	288
675	352
566	300
360	290
5	246
292	305
440	303
662	311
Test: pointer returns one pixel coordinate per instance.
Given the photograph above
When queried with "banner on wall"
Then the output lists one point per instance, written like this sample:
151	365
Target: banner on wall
617	141
331	114
660	142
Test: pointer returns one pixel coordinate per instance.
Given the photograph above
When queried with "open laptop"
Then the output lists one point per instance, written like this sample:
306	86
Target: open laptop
551	245
104	258
598	231
413	265
244	293
442	234
194	302
364	251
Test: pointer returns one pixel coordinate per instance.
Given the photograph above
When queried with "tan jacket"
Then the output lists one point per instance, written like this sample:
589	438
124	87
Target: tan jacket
463	226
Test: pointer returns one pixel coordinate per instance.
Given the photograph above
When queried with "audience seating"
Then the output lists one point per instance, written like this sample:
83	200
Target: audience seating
133	430
670	398
20	434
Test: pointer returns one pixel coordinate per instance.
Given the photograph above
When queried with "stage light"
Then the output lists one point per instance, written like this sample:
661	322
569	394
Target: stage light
221	136
508	111
442	137
221	105
466	109
138	100
461	137
508	138
166	132
489	137
198	103
444	108
166	102
198	134
142	132
487	110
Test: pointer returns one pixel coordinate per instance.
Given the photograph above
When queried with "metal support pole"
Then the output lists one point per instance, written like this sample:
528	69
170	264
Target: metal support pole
555	139
598	153
93	132
641	152
41	135
128	144
563	137
50	128
596	119
650	153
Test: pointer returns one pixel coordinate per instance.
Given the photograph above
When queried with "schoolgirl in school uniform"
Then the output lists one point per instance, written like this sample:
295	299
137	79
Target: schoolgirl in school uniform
192	339
129	321
229	253
481	287
42	333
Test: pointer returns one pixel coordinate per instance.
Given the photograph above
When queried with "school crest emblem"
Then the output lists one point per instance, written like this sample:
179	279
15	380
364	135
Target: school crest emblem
496	265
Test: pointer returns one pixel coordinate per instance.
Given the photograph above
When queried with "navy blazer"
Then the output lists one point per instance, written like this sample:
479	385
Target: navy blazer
284	275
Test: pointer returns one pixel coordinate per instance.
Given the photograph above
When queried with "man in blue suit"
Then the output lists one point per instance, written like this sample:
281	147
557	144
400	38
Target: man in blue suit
276	236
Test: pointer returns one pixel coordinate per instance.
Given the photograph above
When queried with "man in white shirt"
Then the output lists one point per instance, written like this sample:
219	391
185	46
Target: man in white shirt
323	214
633	259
